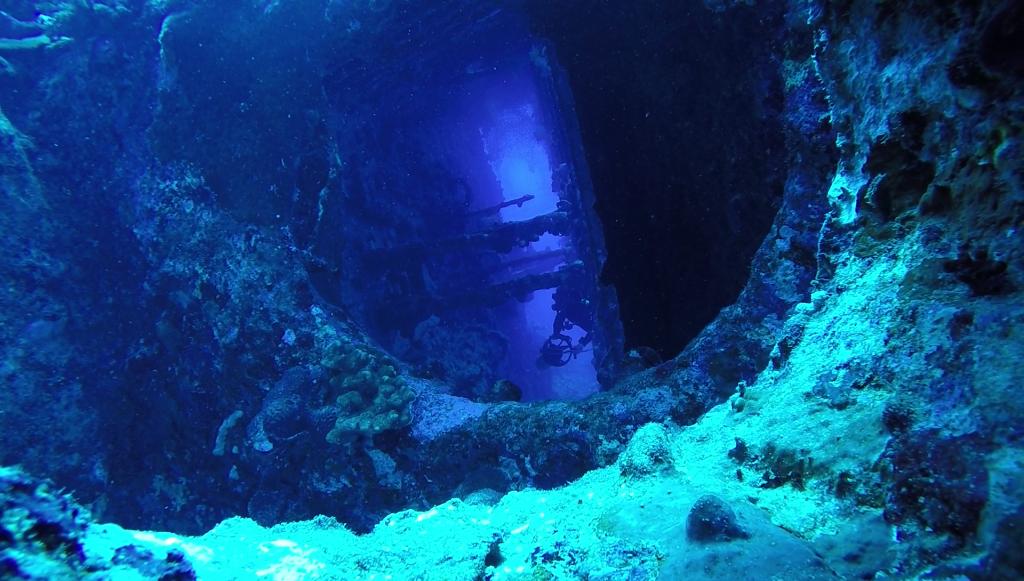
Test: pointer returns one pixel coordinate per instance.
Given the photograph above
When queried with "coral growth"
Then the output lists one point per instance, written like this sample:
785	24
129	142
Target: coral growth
367	392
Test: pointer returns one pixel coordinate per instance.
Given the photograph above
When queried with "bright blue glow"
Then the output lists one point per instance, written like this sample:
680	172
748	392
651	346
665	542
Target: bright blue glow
517	147
520	163
496	139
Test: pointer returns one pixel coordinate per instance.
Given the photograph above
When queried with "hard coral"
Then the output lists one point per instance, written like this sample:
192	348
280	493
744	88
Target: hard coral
370	396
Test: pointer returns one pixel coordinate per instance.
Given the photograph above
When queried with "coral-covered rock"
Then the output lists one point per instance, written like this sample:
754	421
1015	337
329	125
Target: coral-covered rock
370	397
712	521
647	453
44	535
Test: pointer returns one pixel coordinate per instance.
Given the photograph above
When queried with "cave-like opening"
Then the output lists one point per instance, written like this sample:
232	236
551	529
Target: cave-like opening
512	128
469	247
451	172
680	115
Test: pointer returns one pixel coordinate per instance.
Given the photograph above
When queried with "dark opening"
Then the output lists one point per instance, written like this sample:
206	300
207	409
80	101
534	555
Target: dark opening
462	199
465	236
680	121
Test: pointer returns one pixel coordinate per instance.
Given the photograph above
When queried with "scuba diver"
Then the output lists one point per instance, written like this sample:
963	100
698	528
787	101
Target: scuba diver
571	307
